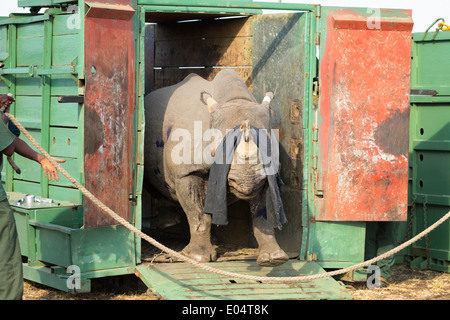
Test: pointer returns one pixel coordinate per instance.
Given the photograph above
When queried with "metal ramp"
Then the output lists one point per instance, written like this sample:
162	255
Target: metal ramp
181	281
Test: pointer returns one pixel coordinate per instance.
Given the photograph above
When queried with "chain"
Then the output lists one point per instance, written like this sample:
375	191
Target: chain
410	222
425	223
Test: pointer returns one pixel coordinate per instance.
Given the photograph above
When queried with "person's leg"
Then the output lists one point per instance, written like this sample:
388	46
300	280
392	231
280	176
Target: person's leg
11	274
371	240
387	240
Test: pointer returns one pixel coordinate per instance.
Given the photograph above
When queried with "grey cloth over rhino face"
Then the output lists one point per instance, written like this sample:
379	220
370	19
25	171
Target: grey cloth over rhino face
216	194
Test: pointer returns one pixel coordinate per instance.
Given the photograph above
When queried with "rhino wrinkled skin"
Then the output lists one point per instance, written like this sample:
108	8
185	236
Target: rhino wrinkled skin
222	104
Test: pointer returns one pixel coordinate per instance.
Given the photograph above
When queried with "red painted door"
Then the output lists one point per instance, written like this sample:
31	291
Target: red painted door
363	118
110	69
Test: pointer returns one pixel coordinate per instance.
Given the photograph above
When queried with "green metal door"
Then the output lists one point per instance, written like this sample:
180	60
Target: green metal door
362	87
40	56
283	62
430	149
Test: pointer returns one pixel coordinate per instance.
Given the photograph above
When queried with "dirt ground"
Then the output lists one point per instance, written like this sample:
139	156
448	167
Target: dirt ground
406	284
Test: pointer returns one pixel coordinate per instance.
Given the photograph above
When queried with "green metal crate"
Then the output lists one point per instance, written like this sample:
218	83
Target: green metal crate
43	60
53	240
54	57
430	149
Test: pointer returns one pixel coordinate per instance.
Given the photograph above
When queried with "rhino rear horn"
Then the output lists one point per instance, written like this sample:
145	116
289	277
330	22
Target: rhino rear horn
207	99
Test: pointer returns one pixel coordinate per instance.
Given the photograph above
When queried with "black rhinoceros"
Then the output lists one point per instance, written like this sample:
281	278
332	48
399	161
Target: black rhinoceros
204	148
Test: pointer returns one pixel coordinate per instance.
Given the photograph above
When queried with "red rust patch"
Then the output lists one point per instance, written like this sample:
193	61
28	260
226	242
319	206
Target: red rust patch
365	81
109	116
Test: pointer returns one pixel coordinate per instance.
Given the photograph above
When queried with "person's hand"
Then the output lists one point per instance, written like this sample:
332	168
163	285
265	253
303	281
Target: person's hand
6	101
50	171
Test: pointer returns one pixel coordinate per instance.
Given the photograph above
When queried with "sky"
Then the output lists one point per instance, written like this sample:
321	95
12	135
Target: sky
424	12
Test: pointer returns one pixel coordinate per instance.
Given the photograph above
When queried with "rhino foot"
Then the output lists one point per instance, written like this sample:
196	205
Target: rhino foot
200	253
275	259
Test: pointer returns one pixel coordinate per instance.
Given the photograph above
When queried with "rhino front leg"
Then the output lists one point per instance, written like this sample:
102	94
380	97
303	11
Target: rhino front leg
191	195
270	253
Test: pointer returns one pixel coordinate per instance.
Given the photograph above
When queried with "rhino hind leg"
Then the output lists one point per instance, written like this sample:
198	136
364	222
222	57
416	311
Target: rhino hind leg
191	194
270	253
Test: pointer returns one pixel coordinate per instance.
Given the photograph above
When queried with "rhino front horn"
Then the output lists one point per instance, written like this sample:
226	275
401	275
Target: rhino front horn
268	98
207	99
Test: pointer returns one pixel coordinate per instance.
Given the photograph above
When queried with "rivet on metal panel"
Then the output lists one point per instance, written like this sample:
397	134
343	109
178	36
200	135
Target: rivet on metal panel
296	148
296	111
312	257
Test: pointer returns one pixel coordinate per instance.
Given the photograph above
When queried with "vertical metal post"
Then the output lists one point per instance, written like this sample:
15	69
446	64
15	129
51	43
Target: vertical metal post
12	63
46	97
308	118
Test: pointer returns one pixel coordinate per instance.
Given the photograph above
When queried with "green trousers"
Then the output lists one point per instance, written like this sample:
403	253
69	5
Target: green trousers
11	274
380	238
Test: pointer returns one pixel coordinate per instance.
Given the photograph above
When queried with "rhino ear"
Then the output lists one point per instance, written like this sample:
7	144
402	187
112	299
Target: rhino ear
207	99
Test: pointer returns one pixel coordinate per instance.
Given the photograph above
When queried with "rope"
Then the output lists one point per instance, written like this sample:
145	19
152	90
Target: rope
203	266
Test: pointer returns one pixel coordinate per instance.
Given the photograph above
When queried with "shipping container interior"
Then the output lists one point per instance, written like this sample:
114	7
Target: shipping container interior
269	53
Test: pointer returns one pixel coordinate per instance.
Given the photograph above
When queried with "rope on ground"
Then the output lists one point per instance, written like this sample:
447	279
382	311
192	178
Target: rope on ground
203	266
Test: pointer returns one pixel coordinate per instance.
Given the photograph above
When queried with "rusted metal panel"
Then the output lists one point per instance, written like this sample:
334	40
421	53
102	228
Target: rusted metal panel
201	47
110	71
364	115
280	64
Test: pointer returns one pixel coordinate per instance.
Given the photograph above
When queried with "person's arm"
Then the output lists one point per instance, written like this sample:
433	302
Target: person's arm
22	148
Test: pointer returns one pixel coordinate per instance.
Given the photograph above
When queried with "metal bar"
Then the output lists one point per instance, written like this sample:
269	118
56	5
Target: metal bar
46	98
71	99
232	4
31	124
308	118
12	61
42	3
432	145
140	129
57	70
25	20
54	280
436	36
424	92
81	89
15	71
81	13
34	71
50	226
203	10
442	90
432	199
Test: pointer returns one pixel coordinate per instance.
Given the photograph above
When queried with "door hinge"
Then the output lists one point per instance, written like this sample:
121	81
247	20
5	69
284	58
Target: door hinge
317	38
316	87
318	10
133	199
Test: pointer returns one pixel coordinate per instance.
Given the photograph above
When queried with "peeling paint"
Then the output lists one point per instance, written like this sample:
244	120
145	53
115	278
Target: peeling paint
364	120
109	116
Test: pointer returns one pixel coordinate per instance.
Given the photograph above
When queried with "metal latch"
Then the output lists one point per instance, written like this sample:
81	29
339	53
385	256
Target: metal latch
420	92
